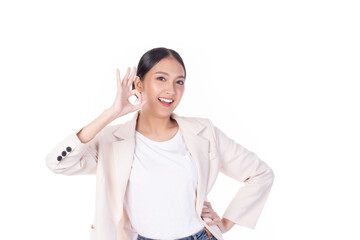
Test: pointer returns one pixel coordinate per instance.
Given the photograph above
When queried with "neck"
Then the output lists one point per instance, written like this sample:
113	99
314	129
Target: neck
152	124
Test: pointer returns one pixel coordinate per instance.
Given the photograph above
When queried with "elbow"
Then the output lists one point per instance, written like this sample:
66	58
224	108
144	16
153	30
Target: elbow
271	175
266	177
268	174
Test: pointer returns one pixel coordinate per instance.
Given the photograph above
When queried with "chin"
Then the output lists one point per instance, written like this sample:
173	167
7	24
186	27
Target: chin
162	113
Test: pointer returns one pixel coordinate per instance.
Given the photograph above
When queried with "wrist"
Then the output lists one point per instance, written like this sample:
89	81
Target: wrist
226	224
112	113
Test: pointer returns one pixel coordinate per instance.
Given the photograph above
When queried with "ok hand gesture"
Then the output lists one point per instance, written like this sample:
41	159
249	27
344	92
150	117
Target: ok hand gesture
122	105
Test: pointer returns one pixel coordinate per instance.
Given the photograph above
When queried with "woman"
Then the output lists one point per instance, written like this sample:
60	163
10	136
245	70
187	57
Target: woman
153	172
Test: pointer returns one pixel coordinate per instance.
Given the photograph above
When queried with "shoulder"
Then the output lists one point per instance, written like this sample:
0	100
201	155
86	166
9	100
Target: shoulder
195	120
196	124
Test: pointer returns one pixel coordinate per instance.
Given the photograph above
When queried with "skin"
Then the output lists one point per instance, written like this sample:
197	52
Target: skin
223	223
154	119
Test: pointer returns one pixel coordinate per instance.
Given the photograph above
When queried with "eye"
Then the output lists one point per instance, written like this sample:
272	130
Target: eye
160	78
181	82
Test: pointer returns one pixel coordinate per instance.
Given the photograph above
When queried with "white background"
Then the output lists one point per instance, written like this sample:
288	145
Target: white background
280	77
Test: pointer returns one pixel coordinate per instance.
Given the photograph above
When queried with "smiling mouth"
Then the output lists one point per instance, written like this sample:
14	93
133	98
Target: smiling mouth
165	100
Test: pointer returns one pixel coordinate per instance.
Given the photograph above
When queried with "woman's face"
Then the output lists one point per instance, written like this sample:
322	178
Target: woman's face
162	87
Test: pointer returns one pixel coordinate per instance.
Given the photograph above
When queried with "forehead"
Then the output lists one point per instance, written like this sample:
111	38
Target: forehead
169	65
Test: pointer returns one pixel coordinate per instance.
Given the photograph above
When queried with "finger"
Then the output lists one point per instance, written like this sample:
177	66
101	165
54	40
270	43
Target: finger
215	218
136	92
207	206
211	223
214	221
123	83
211	212
206	210
143	102
131	78
139	106
208	215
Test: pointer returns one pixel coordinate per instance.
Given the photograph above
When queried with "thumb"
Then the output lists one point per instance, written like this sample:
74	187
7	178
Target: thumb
141	104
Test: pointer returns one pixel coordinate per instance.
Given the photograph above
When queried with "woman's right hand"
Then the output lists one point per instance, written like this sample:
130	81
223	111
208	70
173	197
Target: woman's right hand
122	105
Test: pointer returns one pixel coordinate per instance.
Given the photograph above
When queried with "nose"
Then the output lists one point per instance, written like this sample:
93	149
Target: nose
170	89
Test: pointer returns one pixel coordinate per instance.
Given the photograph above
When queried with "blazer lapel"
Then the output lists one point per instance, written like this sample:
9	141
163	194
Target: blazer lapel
199	151
123	152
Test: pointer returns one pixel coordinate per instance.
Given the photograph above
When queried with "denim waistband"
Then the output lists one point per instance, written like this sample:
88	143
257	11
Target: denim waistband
191	237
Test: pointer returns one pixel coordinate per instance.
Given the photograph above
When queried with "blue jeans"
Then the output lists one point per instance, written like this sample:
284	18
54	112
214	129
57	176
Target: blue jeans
200	235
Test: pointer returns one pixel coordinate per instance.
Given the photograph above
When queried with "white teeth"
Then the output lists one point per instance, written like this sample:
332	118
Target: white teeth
166	100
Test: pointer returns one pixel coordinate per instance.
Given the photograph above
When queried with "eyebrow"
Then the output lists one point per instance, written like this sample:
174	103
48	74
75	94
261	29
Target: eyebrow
181	76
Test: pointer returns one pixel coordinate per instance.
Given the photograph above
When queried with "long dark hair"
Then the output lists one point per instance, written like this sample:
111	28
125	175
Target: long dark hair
153	56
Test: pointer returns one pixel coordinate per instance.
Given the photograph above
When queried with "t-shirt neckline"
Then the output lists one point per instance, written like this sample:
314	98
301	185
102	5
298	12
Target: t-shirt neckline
157	142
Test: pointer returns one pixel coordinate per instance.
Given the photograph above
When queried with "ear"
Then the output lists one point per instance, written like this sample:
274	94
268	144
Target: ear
138	84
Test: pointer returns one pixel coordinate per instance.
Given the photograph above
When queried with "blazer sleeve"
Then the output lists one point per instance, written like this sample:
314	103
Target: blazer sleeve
72	157
244	166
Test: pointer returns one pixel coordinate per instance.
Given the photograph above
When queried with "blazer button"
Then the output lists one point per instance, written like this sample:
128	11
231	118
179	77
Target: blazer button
63	153
68	149
59	158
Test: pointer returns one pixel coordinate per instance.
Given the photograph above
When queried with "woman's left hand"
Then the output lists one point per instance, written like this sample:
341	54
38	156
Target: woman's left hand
210	213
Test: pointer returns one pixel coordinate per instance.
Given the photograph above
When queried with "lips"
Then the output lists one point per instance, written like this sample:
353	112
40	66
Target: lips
165	101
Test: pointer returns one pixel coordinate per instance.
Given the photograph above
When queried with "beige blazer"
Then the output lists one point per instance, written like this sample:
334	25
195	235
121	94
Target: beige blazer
109	155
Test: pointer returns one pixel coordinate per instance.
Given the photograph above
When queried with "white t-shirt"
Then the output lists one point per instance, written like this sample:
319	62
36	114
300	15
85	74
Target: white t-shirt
160	198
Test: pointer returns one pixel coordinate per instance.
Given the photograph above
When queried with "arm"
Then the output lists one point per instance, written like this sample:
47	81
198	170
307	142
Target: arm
244	166
226	225
92	129
223	224
78	152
